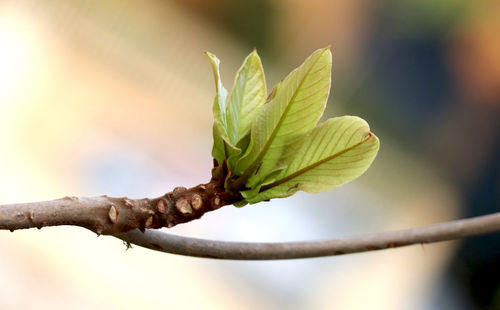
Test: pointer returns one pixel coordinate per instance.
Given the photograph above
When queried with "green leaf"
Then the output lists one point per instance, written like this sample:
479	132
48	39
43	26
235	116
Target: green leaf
335	152
241	146
248	94
221	146
273	92
295	109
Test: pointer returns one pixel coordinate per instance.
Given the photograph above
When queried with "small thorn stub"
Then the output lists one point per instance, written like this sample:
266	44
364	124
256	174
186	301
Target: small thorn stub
98	230
113	214
183	206
149	222
161	206
196	202
178	190
127	245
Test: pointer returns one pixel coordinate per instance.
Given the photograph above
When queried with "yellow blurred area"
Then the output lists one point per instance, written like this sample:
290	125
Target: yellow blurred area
114	97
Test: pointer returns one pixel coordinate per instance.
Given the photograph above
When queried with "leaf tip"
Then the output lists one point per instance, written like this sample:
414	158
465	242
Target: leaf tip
377	140
212	58
328	50
323	52
374	141
371	135
254	55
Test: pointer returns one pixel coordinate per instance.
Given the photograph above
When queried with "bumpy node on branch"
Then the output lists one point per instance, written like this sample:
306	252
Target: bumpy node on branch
108	215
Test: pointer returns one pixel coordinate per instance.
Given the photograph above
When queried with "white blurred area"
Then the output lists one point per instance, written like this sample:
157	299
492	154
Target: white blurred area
115	98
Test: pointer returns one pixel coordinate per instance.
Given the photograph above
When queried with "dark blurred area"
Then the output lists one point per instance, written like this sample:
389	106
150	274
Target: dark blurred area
425	74
251	22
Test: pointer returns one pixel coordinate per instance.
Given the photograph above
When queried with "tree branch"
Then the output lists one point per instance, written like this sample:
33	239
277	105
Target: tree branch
128	220
110	216
164	242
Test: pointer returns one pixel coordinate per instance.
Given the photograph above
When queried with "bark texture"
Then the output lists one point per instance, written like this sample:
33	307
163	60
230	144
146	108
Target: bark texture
111	215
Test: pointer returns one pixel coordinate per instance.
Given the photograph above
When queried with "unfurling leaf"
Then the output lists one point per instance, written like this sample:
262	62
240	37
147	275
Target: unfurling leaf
219	130
335	152
295	108
232	121
248	94
272	146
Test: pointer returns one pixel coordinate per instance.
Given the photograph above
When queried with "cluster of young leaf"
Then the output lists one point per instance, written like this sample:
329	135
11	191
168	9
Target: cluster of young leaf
271	144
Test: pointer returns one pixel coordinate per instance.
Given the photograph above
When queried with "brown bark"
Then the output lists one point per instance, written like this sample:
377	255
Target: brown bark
110	216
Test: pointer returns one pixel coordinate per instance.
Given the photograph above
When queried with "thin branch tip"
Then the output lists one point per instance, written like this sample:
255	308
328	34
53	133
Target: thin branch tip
164	242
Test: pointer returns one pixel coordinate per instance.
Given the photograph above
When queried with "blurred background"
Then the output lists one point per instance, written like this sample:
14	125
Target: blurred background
114	97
